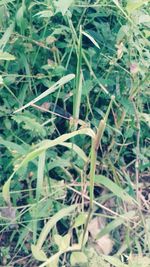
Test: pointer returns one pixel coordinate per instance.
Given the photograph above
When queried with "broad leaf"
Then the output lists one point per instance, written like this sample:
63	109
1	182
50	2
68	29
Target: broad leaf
62	242
38	253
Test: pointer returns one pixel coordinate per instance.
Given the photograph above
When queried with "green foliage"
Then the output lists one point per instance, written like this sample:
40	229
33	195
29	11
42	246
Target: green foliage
74	132
30	124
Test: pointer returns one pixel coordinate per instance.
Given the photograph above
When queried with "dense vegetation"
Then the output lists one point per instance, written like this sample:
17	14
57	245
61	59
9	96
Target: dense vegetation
74	143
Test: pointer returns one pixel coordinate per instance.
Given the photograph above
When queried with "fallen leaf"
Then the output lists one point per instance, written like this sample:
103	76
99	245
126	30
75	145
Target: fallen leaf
104	244
95	226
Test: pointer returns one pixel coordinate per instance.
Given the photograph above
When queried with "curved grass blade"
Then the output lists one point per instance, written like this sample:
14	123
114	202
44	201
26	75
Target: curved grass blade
50	90
117	190
52	222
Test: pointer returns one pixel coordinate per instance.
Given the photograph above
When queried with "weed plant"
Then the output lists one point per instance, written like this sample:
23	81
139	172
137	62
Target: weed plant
74	133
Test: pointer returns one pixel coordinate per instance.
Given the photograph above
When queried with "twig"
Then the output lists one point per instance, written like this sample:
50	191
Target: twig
94	202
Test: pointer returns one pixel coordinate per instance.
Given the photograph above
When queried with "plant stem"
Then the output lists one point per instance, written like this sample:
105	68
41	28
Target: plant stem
94	148
137	151
78	82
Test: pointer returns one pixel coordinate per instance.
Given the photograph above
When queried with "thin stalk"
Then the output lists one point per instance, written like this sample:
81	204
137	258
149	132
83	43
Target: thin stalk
119	124
137	151
109	108
94	202
96	141
92	171
12	94
137	89
85	57
137	170
94	148
78	82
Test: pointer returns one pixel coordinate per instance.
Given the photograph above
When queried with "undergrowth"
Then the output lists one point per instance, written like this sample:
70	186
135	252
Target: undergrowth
74	133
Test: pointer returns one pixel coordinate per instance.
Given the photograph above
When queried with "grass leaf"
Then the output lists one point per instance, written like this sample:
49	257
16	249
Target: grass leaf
52	89
115	223
6	191
113	187
52	222
91	39
6	56
5	38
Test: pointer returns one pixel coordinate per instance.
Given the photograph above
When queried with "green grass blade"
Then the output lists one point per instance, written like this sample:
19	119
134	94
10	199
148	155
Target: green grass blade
52	89
5	38
77	149
78	82
52	222
39	188
115	223
117	190
40	175
42	146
